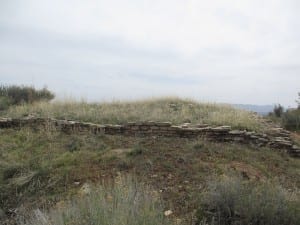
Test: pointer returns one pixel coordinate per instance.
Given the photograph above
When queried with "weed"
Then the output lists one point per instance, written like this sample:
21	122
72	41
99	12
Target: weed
73	145
198	146
10	171
123	165
137	150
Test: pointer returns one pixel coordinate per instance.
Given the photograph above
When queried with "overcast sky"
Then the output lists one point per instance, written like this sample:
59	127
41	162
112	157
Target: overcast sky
243	51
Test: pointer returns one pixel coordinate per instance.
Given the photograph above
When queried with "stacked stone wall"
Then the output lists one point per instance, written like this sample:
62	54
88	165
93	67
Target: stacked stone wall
276	138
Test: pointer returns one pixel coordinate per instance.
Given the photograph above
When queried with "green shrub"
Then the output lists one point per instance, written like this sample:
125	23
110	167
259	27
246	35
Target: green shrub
291	119
15	95
125	202
4	103
278	110
10	171
230	201
137	150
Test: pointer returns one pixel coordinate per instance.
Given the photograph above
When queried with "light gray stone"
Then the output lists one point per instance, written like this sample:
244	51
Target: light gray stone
236	132
222	128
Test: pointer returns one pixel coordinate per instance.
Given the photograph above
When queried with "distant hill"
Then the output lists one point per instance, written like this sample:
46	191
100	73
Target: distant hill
260	109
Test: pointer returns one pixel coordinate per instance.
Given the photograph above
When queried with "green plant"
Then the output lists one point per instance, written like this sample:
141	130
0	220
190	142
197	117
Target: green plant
230	201
74	144
278	110
137	150
10	171
291	119
15	95
4	103
198	146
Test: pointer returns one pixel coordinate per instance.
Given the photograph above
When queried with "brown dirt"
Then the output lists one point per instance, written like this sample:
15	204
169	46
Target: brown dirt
247	171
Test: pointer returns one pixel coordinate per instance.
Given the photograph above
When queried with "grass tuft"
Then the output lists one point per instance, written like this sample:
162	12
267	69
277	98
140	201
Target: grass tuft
123	202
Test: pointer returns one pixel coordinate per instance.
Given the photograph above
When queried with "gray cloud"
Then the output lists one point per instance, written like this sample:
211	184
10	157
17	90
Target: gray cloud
238	52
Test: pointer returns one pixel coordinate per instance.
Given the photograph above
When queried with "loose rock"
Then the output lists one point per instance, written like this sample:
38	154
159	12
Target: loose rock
168	212
85	189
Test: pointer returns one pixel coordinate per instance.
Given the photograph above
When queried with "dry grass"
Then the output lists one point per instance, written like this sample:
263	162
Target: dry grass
174	110
123	202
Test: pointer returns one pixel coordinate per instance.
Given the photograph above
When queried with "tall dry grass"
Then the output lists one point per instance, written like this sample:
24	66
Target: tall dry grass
174	110
124	202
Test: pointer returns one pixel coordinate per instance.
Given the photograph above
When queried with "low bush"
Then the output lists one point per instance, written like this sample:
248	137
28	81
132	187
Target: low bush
291	119
125	202
278	110
4	103
230	201
15	95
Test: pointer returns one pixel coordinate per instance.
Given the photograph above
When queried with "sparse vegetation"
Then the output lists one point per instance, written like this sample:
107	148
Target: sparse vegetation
175	110
40	167
123	202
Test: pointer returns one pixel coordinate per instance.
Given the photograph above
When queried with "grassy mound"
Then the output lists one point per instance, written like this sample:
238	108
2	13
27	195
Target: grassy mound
175	110
42	168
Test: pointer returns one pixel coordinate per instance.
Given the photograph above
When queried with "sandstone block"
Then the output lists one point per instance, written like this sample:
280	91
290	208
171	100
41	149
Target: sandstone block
237	132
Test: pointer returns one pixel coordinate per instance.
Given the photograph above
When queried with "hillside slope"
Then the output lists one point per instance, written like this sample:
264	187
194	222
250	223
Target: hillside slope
44	168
